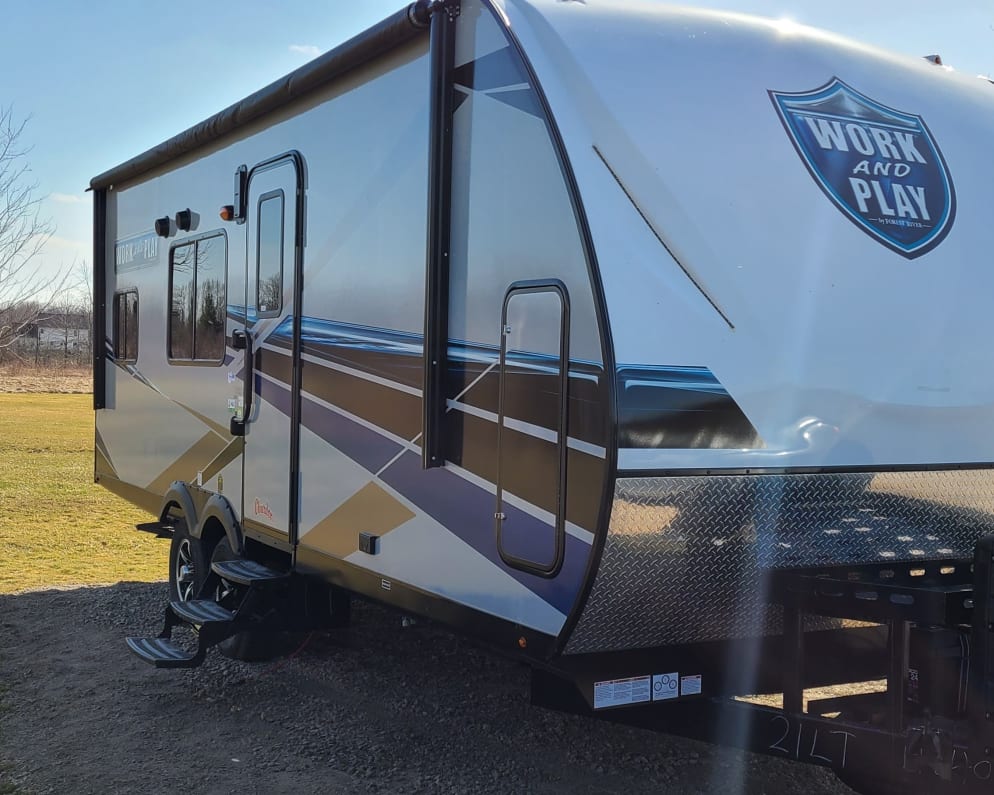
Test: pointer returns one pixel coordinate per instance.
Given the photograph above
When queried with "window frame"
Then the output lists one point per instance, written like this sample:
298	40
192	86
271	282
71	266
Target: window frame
182	360
115	312
520	289
269	196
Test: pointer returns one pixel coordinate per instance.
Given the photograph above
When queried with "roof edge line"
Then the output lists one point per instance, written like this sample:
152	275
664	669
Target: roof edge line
392	32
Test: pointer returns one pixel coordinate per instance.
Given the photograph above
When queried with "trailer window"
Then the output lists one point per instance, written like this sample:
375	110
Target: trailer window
198	299
181	267
269	262
126	326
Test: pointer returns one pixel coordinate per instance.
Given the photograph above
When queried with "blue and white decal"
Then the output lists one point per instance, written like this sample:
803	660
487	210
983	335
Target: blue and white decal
879	166
137	251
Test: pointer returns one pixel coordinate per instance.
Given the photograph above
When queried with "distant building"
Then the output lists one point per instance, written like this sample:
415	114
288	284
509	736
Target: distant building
58	331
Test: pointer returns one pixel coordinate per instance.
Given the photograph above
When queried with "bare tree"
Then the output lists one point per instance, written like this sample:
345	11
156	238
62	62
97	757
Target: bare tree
23	233
83	279
74	312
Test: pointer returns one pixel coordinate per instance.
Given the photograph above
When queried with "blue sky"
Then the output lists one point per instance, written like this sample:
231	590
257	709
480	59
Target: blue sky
105	80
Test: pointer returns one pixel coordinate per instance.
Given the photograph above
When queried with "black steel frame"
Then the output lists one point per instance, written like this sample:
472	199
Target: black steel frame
99	330
442	51
871	740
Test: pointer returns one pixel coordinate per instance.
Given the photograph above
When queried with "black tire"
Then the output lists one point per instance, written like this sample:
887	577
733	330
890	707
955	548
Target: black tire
247	646
189	564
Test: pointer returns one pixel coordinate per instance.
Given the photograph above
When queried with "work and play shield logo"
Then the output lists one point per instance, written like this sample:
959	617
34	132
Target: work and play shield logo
880	167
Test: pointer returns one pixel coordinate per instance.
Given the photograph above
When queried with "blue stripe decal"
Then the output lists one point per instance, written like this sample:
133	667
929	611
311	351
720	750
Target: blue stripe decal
463	508
467	511
277	396
318	335
696	379
315	331
237	312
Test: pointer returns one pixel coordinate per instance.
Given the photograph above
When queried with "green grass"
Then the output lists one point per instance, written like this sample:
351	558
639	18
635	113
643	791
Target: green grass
57	527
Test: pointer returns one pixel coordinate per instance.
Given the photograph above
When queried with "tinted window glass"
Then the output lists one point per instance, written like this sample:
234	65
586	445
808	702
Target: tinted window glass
183	269
126	326
120	316
209	335
131	329
198	300
531	390
270	255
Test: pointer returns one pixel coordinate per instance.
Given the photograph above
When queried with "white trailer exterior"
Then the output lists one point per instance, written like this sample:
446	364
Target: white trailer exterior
570	324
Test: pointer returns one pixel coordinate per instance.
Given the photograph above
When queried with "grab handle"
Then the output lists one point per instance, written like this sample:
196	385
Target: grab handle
242	341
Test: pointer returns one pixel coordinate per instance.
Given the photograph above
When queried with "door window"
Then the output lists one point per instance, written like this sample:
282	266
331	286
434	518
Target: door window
532	414
269	248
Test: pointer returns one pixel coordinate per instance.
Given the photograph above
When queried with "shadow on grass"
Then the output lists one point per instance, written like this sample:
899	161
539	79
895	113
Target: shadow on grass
155	528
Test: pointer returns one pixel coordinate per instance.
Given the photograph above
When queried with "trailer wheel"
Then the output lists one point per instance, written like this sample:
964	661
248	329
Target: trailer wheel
189	564
248	646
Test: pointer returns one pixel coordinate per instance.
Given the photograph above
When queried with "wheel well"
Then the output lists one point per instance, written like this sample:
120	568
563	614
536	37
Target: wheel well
178	508
172	514
213	531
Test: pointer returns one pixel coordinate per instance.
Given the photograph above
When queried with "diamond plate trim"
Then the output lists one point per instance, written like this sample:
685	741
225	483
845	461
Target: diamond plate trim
685	557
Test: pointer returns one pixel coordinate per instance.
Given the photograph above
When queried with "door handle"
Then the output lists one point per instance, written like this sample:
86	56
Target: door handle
241	340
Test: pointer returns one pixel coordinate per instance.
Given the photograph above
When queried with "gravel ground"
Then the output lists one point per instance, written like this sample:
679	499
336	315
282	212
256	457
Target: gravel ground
375	708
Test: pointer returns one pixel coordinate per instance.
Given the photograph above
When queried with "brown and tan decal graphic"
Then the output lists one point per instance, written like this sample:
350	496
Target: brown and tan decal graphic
196	459
102	464
371	509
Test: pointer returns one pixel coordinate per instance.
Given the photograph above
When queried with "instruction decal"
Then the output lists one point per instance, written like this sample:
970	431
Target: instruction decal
665	686
621	692
690	685
879	166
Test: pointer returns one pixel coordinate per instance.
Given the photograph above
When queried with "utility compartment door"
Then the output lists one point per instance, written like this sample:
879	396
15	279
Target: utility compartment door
272	249
531	428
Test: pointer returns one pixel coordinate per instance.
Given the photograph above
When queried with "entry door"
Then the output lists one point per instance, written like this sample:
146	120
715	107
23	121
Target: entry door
531	427
272	250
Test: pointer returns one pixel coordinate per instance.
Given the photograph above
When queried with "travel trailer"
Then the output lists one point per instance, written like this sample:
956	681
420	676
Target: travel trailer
652	346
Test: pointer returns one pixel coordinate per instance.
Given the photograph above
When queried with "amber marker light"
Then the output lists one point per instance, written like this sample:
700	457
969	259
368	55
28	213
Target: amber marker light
227	212
522	642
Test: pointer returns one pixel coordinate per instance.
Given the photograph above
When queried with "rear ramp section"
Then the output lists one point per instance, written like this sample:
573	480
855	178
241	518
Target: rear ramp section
690	559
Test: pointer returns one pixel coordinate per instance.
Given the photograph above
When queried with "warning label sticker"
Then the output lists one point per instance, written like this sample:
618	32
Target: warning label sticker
618	692
665	686
690	685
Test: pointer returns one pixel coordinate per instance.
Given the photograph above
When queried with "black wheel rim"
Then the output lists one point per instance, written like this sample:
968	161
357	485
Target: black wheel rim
185	573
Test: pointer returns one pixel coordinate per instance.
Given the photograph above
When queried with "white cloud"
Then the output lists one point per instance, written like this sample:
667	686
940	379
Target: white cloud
66	198
310	50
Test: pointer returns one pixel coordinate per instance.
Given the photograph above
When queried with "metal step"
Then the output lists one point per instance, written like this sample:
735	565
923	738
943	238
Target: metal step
248	572
163	653
201	611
